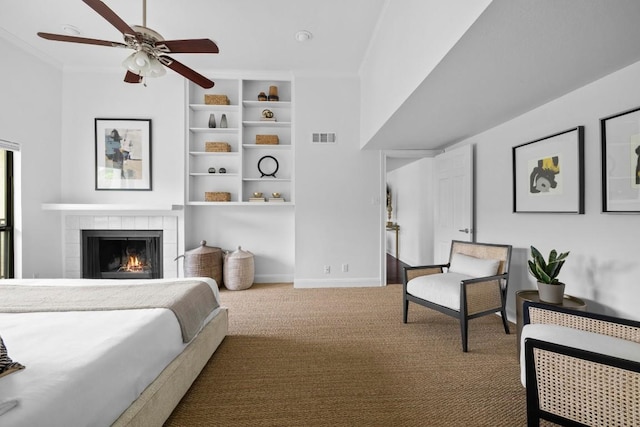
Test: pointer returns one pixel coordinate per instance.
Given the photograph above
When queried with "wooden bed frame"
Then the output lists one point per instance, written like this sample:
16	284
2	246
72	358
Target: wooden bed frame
160	398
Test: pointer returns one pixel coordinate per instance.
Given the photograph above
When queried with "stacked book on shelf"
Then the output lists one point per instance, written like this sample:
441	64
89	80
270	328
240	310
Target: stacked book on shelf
256	199
276	199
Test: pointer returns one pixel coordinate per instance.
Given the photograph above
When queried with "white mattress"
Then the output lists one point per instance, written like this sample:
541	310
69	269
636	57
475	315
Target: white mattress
84	368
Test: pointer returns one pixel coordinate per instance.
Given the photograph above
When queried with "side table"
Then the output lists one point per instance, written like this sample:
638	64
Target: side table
395	227
532	295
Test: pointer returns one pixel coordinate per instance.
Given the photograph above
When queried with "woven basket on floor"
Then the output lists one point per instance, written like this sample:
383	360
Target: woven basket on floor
238	271
204	261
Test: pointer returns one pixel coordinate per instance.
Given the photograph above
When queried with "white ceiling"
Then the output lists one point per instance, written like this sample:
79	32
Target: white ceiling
518	55
251	34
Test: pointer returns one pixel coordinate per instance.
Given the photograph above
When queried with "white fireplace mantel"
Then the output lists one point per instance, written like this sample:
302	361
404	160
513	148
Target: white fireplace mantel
94	216
97	207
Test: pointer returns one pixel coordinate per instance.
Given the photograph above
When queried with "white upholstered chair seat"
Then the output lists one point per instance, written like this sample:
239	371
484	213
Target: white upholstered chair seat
442	289
476	275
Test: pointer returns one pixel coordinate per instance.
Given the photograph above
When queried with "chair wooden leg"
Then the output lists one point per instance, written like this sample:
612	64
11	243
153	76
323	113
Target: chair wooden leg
503	313
405	310
463	329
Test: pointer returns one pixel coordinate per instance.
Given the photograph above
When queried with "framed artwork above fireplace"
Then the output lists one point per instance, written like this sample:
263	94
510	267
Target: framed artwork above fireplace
123	154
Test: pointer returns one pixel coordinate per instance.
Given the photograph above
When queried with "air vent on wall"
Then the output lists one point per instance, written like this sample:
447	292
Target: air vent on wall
323	137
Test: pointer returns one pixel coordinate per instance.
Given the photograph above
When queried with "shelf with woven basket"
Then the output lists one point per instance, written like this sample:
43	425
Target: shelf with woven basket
247	130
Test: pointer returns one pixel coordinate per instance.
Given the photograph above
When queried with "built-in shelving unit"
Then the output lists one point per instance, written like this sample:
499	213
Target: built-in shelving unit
244	122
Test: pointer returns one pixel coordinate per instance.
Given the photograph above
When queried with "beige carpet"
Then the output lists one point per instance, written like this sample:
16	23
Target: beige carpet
343	357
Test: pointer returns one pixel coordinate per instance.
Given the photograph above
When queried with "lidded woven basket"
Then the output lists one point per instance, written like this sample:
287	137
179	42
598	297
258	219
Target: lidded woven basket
238	270
204	261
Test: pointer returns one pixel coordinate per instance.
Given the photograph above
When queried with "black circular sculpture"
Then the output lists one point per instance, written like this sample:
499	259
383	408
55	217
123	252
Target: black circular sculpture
270	167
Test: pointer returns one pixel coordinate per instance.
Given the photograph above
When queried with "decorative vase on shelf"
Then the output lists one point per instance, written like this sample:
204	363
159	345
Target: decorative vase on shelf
223	121
551	293
212	120
273	93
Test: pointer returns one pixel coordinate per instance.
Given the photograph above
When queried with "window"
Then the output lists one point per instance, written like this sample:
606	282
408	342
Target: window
6	214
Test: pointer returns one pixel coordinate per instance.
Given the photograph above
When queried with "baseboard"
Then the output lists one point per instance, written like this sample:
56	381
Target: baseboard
273	278
337	283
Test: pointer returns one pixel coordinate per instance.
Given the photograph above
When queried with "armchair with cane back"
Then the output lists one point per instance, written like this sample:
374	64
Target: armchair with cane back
472	284
580	368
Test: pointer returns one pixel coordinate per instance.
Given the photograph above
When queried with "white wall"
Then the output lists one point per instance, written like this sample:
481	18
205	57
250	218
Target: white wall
91	95
603	266
398	61
339	213
30	115
412	194
265	231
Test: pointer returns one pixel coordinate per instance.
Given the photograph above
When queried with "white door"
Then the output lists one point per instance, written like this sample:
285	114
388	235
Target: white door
453	216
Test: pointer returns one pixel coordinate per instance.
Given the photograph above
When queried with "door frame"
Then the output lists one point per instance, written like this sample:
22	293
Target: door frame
410	156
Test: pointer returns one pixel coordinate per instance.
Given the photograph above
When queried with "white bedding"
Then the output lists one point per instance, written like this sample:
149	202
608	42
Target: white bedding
84	368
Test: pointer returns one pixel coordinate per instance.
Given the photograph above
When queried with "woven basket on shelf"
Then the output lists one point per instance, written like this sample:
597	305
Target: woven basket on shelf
211	146
211	99
238	271
217	196
267	139
204	261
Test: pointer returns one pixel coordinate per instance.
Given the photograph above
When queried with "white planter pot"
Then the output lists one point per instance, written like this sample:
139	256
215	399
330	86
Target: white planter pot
552	294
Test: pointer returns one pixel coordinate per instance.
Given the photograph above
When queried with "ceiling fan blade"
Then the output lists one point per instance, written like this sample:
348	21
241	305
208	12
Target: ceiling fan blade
84	40
187	72
132	77
108	14
188	46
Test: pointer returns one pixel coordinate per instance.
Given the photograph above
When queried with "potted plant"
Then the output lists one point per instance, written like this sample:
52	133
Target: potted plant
550	289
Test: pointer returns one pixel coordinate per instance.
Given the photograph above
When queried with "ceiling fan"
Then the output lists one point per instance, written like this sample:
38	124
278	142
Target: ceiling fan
150	56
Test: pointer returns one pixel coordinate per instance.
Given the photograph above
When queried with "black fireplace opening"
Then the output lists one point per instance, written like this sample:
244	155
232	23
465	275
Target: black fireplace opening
122	254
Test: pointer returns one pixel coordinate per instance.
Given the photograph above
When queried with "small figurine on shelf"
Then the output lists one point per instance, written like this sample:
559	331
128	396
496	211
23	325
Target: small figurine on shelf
267	116
262	96
223	170
273	93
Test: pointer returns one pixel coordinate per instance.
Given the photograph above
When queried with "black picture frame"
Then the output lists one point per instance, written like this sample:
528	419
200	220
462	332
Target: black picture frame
548	174
123	154
620	142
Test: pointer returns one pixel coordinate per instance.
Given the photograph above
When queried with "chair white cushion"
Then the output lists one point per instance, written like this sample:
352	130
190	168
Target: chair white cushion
584	340
442	289
472	266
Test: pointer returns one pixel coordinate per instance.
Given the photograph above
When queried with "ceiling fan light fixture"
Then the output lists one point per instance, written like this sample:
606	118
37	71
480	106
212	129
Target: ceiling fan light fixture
143	64
141	60
157	69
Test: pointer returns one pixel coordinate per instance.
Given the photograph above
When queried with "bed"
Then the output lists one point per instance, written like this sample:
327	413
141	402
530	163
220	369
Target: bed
109	364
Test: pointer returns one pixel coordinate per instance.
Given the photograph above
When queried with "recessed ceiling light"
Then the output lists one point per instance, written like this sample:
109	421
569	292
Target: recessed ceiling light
303	36
72	30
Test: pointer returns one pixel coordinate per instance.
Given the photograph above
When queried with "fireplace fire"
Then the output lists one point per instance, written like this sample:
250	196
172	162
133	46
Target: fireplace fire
122	254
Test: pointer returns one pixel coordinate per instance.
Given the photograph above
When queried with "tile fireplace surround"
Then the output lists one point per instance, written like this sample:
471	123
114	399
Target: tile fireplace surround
75	223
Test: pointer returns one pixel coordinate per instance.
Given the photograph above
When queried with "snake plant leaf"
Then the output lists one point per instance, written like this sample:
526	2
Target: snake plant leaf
546	271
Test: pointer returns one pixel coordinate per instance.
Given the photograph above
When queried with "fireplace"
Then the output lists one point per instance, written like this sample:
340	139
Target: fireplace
121	254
